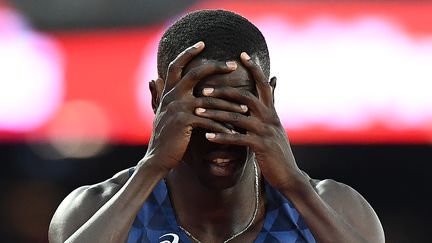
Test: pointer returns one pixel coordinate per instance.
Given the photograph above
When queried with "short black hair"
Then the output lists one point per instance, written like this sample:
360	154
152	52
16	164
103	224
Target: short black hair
226	35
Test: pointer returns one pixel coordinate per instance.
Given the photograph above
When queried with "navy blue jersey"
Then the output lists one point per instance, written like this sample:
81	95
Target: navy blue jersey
156	221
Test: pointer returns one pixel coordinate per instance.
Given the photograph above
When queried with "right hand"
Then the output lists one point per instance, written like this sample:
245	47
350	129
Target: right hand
175	117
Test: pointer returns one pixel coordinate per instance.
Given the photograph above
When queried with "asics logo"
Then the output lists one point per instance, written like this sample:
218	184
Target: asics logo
174	240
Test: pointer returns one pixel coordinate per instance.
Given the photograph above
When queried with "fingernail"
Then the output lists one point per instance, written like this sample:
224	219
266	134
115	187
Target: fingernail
232	65
200	110
198	44
210	135
207	91
245	56
244	107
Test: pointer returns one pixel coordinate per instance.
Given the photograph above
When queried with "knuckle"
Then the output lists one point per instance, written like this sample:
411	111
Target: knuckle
210	63
218	127
276	120
173	66
194	73
199	102
234	117
182	53
179	118
209	101
266	129
225	90
245	94
165	102
273	118
220	66
179	55
188	53
255	67
167	99
172	106
178	105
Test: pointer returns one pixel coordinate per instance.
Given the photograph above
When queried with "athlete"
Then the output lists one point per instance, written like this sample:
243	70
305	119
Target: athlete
219	167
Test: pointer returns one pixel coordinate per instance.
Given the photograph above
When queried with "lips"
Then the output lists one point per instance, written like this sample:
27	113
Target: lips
220	161
222	156
223	162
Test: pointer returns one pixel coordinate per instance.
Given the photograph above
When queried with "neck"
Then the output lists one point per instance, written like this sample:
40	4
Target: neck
209	213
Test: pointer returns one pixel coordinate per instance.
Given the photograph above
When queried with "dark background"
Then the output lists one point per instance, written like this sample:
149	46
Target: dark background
393	178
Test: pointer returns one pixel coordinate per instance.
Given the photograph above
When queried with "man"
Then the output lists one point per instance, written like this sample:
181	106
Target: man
219	167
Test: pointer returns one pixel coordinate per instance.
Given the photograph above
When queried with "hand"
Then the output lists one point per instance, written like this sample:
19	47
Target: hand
175	118
265	134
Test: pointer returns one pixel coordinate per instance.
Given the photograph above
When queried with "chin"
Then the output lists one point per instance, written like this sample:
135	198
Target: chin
218	183
215	177
216	166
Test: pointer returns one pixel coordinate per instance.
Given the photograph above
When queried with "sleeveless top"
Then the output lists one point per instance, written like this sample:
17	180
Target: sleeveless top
156	221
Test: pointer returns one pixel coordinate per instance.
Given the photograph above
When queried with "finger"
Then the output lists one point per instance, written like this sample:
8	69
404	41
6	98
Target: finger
175	68
219	104
233	139
208	124
263	87
196	74
191	104
241	96
233	118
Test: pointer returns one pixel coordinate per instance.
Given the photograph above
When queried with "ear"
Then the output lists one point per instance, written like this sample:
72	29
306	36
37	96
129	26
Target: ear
273	85
156	90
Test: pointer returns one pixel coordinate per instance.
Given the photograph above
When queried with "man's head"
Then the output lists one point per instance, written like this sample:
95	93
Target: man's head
225	34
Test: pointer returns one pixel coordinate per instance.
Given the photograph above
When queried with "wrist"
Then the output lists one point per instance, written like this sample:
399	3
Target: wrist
152	165
299	187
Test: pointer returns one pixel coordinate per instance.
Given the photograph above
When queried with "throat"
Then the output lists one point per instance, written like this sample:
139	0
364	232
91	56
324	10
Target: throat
216	216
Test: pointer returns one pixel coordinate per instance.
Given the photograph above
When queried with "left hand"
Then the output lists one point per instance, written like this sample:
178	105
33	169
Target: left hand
265	134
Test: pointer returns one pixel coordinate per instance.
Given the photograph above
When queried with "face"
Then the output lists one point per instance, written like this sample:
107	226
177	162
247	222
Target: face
203	156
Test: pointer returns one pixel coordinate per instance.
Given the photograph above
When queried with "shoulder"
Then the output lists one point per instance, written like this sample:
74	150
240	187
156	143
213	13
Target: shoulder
81	204
352	206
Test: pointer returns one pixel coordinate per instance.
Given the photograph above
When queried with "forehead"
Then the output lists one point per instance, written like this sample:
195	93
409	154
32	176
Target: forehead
237	78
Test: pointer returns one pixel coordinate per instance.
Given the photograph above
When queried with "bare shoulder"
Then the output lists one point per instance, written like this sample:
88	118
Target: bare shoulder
81	204
352	206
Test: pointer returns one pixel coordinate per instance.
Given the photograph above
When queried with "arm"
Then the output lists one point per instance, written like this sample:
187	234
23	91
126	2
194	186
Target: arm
87	214
334	213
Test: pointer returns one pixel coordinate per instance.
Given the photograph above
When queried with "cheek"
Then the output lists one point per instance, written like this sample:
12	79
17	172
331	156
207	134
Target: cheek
198	142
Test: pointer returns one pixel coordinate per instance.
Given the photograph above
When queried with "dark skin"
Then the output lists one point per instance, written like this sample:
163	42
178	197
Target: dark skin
211	201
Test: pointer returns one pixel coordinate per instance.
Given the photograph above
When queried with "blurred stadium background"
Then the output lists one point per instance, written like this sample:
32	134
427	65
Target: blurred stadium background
354	84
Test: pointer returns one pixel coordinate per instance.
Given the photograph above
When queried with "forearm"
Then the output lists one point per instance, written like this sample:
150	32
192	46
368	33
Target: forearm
324	222
111	223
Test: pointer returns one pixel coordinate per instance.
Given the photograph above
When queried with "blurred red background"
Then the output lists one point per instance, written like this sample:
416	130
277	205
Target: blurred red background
353	94
330	87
